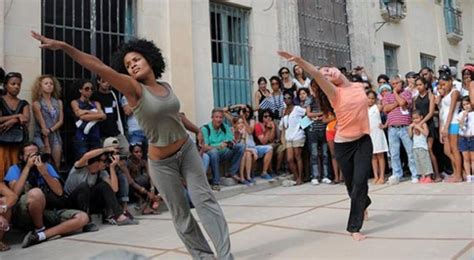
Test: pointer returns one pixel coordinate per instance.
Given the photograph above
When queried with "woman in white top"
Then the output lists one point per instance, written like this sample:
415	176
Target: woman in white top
300	79
449	126
466	136
379	141
294	135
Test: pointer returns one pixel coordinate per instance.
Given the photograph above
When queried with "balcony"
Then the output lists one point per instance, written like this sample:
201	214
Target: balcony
393	10
453	21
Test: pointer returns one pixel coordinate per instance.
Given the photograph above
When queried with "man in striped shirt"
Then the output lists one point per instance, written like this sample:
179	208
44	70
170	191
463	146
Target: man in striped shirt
397	105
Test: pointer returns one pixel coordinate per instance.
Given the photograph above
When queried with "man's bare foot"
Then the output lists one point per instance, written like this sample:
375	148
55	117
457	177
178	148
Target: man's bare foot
357	236
366	215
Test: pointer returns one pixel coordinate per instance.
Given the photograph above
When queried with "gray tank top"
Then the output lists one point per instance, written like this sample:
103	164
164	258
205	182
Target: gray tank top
159	117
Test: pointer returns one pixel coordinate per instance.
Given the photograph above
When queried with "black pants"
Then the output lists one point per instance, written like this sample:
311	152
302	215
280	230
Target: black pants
95	199
354	159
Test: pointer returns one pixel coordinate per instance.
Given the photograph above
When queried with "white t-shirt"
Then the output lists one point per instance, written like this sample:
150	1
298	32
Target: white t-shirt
131	120
291	124
468	129
306	83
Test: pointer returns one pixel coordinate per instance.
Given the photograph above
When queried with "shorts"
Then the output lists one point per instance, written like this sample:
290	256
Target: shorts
295	143
330	136
262	150
453	129
279	148
22	218
466	143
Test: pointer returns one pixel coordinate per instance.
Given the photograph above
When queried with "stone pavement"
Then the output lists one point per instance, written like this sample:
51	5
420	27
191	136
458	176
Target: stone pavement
407	221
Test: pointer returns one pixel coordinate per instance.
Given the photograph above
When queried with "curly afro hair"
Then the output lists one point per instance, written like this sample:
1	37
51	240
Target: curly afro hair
148	49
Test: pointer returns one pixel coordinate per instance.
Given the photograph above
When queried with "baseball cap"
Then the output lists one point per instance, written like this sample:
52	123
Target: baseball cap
444	69
411	74
111	141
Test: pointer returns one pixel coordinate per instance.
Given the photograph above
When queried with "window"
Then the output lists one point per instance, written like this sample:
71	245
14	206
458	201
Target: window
391	63
94	26
452	20
427	60
454	63
230	55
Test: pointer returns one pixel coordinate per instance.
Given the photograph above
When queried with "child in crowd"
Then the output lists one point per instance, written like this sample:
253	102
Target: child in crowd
379	141
466	137
419	131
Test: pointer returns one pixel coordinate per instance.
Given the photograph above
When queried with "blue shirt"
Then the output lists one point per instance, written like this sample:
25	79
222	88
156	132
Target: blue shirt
14	173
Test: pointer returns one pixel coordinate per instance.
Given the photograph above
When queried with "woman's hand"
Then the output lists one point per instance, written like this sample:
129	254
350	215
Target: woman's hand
45	132
47	43
288	56
7	125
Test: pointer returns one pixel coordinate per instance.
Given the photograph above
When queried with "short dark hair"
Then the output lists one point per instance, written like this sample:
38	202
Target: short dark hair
132	147
21	153
147	49
299	91
277	79
424	81
417	112
383	76
11	75
283	68
465	98
261	79
371	92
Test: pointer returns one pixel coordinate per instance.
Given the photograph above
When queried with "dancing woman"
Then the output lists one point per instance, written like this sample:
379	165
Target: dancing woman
353	146
172	155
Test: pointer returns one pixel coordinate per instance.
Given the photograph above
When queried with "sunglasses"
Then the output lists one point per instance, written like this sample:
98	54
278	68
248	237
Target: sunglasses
88	89
287	97
285	72
266	116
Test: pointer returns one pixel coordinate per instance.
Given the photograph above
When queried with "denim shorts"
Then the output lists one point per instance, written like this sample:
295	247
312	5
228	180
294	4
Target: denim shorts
466	144
263	149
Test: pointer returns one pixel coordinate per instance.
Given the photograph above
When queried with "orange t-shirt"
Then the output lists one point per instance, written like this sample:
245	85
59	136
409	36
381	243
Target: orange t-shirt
350	107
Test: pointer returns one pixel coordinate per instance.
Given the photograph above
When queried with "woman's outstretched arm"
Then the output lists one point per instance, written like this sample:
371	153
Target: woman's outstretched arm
328	88
123	83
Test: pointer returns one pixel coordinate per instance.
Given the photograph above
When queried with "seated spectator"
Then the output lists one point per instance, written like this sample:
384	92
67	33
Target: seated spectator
91	189
41	205
274	102
8	199
49	116
220	146
266	133
262	91
14	118
300	80
140	181
135	132
87	114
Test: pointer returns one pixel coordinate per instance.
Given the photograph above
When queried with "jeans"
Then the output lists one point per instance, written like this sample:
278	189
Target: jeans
396	134
136	137
94	199
83	146
205	161
233	155
354	159
315	139
124	187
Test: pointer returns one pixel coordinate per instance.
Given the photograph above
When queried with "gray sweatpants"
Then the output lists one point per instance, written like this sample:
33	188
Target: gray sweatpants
167	176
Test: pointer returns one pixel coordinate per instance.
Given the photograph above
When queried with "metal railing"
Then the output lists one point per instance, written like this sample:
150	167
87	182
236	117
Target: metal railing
452	18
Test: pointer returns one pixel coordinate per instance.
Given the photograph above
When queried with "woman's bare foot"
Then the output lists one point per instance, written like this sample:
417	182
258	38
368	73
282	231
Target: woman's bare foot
366	215
357	236
375	180
380	181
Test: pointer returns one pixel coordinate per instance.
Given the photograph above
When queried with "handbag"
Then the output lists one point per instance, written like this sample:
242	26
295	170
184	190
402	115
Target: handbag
17	133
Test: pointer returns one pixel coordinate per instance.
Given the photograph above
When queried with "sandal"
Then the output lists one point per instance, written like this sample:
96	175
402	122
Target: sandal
4	247
148	211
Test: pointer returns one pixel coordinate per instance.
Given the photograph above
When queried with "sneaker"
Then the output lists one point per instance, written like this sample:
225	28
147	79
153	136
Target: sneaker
127	221
315	181
266	176
30	239
245	182
90	227
216	187
414	180
110	220
469	178
253	181
326	181
392	180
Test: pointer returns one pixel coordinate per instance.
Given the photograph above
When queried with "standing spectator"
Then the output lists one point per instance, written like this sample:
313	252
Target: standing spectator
449	125
381	80
220	146
428	74
8	198
14	119
140	180
286	79
294	136
91	189
467	77
419	132
397	105
379	141
87	114
300	80
135	132
466	134
316	136
275	102
410	78
262	91
40	204
112	126
425	103
49	116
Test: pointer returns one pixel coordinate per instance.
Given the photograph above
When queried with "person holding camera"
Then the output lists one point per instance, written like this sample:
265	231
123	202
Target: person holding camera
41	203
90	188
220	146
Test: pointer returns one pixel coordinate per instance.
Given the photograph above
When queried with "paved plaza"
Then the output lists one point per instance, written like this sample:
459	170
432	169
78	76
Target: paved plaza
407	221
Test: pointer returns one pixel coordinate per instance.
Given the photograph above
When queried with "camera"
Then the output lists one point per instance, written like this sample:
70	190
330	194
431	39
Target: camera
230	144
235	110
45	157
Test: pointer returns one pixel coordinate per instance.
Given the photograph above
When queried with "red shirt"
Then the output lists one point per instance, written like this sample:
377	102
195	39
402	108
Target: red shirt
396	117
